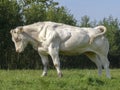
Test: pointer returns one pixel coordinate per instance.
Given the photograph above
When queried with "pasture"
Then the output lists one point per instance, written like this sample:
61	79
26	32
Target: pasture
73	79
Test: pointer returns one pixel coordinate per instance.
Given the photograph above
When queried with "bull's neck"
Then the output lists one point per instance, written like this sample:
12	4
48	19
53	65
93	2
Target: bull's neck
31	40
34	43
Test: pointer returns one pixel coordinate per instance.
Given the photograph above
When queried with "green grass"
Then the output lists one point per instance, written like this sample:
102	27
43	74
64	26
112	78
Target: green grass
74	79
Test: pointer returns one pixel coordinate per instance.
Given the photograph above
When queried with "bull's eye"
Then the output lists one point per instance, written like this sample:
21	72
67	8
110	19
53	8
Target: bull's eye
14	31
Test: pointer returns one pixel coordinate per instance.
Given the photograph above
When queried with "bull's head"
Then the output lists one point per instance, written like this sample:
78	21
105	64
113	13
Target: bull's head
19	39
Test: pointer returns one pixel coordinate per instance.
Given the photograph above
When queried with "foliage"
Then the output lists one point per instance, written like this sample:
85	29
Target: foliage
113	33
85	21
15	13
73	79
9	18
113	28
45	10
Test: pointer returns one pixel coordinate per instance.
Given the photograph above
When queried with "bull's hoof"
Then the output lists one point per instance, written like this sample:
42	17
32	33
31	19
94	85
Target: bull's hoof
60	75
109	77
44	74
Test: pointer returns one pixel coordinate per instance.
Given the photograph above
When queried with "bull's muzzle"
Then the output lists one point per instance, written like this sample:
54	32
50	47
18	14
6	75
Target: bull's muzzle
18	50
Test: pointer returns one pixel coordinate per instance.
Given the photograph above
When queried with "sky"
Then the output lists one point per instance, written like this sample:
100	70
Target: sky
95	9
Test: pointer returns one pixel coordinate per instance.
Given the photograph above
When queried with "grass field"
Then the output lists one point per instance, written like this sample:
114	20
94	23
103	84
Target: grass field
73	79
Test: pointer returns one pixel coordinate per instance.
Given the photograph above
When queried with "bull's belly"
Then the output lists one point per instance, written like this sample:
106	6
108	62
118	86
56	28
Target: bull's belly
70	53
73	51
74	47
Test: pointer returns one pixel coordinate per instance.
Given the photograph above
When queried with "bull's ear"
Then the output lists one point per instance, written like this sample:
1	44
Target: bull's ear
11	31
20	29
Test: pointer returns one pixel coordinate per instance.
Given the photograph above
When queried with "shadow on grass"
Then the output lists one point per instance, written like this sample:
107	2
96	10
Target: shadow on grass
92	81
95	82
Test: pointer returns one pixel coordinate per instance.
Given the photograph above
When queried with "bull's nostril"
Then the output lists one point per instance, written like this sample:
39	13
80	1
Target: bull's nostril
17	50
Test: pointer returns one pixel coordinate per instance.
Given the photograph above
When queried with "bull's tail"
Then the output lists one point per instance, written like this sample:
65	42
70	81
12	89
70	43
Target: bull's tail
102	31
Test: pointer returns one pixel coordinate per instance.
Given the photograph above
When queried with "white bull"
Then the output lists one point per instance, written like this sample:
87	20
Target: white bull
50	38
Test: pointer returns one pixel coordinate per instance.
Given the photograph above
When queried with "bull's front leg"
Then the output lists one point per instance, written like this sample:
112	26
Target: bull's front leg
54	53
45	62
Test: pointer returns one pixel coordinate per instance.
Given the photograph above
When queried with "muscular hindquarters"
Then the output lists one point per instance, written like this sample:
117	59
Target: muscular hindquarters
101	45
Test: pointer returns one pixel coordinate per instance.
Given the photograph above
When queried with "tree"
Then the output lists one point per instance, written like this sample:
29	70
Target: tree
113	33
42	10
15	13
9	18
85	21
112	26
45	10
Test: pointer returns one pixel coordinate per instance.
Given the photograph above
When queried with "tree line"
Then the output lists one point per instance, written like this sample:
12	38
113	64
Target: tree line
15	13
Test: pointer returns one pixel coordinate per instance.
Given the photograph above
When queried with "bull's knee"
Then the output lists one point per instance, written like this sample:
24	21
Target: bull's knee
56	65
44	74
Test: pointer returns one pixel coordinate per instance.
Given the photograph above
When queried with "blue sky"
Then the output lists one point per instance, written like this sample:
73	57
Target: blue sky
95	9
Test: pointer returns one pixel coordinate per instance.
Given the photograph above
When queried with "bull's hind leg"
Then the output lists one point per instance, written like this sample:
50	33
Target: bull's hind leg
54	53
105	64
94	57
